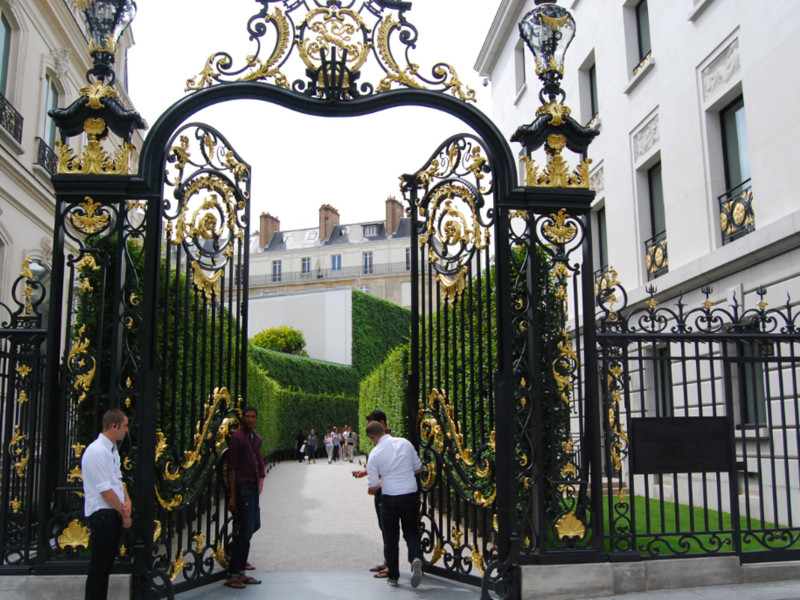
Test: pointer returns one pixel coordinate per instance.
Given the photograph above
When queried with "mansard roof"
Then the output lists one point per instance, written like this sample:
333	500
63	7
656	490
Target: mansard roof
341	235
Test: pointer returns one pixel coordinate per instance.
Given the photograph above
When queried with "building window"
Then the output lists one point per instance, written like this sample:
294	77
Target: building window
736	204
336	262
656	245
364	288
602	241
408	259
305	267
594	107
367	263
664	390
50	103
370	230
276	270
643	29
748	383
5	51
519	65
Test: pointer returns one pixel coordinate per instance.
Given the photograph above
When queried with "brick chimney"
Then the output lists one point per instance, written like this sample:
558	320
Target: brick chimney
328	218
269	225
394	212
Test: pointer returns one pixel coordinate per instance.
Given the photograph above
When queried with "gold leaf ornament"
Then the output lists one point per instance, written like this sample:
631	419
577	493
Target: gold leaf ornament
74	536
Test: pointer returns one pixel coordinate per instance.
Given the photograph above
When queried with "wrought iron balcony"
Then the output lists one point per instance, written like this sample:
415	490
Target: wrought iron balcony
10	119
736	217
266	279
656	255
46	157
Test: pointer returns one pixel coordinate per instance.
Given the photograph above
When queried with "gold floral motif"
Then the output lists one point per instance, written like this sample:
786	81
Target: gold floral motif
177	565
219	555
457	535
74	536
92	220
87	262
83	381
429	477
78	449
477	559
484	500
438	552
22	398
198	541
570	526
560	232
16	505
23	370
123	550
97	91
556	110
174	503
17	449
156	530
161	443
75	475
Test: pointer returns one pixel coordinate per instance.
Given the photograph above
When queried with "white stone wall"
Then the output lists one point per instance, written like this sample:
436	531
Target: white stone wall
324	317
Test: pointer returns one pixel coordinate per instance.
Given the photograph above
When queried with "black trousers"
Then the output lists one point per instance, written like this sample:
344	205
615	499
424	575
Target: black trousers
106	528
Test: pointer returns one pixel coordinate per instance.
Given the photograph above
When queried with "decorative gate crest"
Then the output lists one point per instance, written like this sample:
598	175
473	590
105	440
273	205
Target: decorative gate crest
334	40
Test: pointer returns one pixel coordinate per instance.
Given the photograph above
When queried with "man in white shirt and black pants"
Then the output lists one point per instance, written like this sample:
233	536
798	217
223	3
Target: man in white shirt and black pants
106	503
392	466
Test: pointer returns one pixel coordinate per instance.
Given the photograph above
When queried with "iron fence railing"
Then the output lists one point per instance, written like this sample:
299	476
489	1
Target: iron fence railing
736	215
269	279
10	119
46	157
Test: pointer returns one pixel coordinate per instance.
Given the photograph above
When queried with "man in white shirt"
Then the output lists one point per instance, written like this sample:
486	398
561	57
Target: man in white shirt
106	502
392	468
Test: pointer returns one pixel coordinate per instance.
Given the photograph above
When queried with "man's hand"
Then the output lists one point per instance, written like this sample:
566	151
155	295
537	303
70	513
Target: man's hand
373	490
260	485
360	474
125	511
126	522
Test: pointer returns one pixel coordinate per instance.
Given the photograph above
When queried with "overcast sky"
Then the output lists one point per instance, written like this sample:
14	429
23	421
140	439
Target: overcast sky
300	162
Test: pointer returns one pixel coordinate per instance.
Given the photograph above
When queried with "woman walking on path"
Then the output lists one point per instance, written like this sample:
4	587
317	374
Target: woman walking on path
329	446
337	443
299	443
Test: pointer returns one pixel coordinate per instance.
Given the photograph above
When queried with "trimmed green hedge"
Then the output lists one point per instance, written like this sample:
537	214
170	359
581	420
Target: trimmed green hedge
306	374
385	389
378	328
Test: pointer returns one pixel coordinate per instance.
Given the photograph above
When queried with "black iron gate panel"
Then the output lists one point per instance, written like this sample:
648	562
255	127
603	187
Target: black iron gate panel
202	337
701	427
22	364
454	349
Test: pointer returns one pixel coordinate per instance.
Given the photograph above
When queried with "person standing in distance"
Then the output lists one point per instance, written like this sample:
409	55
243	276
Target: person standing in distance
106	501
392	468
246	480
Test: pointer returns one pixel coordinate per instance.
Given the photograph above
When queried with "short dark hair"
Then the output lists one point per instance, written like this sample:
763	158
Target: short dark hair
375	428
248	409
113	416
377	415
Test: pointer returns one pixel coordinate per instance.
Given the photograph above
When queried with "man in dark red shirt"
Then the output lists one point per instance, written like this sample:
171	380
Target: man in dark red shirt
246	479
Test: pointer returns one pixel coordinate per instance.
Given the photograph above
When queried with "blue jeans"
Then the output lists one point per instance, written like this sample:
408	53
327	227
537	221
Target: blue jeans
247	521
396	511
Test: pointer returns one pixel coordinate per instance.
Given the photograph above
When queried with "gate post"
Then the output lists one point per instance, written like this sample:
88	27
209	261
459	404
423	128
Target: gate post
551	306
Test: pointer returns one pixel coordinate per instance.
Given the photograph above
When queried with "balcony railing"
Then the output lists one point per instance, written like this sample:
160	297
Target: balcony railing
266	280
736	217
10	119
45	157
656	255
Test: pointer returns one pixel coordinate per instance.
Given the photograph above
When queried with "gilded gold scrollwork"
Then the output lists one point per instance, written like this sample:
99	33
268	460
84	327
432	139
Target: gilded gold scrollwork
75	475
219	555
438	552
560	232
452	289
94	160
92	219
16	505
619	438
177	565
19	451
198	541
77	361
209	286
477	559
556	173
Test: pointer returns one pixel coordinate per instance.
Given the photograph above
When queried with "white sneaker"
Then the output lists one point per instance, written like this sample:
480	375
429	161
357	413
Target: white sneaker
416	572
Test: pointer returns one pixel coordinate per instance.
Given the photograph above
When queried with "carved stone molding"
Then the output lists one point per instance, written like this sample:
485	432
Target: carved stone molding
596	181
721	70
60	58
646	138
46	245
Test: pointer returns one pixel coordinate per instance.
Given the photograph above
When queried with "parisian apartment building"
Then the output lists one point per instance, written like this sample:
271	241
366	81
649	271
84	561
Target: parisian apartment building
371	256
694	164
44	56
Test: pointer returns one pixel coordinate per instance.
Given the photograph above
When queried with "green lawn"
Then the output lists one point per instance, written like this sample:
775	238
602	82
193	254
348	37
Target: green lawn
669	528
